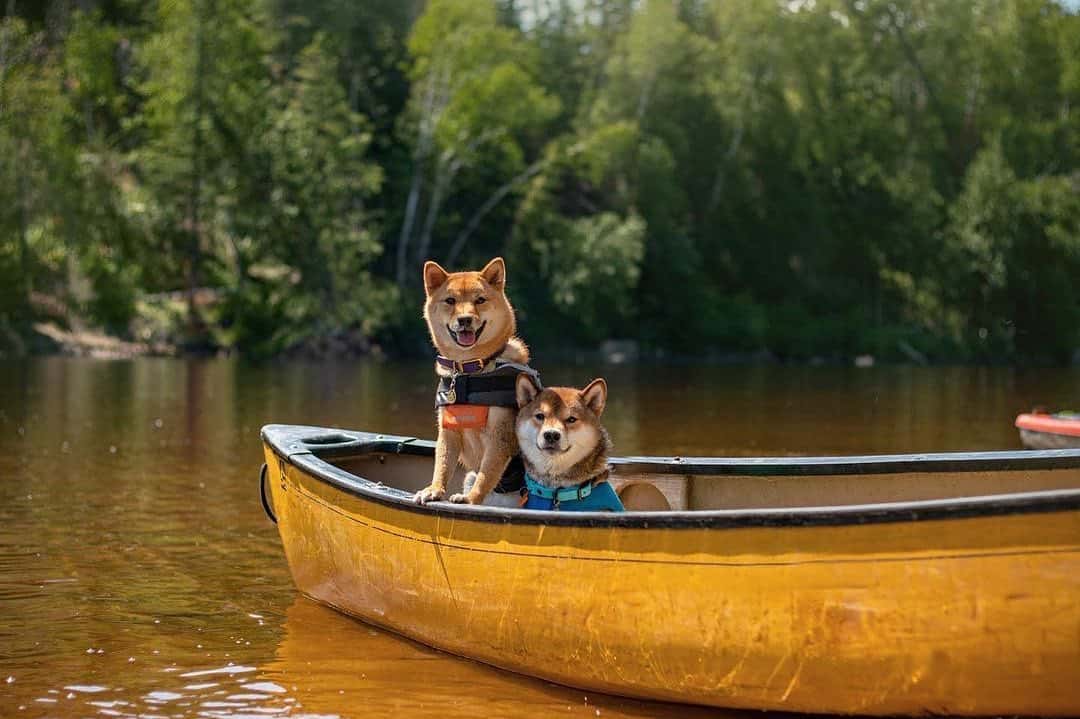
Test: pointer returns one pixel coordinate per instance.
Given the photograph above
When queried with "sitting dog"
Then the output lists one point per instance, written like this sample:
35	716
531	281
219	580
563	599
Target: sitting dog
479	359
565	447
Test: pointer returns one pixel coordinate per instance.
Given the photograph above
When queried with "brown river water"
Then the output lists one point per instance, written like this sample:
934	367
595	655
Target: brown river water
139	577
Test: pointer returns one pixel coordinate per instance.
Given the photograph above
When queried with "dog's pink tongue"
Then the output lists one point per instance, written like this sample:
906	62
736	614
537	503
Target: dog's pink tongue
466	337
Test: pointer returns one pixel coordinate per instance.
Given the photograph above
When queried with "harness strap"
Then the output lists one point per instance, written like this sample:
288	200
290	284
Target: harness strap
495	388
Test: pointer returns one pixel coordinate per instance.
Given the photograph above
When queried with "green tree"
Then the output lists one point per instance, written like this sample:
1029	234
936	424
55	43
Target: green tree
476	103
307	274
206	86
1017	246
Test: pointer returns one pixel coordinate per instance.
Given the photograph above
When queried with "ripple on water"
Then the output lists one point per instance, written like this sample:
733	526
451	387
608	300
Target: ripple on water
230	669
266	687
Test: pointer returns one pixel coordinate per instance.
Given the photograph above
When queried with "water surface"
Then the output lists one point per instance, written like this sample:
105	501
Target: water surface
139	577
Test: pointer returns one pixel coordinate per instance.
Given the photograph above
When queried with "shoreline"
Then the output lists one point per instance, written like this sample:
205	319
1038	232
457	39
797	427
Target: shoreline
51	340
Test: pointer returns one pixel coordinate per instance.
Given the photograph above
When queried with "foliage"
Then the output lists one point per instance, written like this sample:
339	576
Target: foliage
814	178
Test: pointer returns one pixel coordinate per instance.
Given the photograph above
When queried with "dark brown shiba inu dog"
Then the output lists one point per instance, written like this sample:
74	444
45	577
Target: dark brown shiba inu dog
472	327
564	447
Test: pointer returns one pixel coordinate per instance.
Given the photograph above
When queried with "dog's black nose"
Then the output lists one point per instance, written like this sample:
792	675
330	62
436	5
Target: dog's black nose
464	322
552	436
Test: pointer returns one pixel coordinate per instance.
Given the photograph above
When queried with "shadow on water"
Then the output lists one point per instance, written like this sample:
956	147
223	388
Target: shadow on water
138	575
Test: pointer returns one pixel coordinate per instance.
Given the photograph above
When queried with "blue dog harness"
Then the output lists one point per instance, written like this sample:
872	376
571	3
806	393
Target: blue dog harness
585	497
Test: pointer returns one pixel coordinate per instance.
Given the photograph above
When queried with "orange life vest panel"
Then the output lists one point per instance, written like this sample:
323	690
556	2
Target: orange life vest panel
464	416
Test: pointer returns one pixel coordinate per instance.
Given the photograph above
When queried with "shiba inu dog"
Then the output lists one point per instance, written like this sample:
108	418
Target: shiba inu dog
472	326
564	447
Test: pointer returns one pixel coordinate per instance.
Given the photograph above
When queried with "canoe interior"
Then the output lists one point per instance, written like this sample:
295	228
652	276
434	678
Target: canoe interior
644	490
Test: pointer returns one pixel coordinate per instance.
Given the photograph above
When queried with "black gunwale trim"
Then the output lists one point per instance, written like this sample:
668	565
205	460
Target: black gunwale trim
287	443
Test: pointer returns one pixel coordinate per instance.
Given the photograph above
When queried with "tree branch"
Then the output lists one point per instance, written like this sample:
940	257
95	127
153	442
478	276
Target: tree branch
497	197
450	163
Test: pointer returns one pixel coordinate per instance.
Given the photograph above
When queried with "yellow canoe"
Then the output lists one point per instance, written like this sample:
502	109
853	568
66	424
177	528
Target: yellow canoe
901	584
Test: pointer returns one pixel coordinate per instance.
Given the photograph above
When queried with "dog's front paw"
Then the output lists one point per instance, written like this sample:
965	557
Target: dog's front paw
459	498
429	494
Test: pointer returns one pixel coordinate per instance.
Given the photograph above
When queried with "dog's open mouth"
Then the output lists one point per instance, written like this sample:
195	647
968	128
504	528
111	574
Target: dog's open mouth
467	338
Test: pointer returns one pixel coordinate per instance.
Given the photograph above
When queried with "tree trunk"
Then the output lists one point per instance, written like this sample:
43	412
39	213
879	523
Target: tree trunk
495	198
407	224
436	98
721	171
433	207
22	168
444	177
424	138
194	250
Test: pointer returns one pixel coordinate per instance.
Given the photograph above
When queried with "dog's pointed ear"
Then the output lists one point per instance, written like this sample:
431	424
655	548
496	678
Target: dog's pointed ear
527	389
434	276
494	273
595	396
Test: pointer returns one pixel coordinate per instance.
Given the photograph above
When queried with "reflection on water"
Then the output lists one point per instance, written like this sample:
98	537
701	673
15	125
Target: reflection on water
138	576
326	656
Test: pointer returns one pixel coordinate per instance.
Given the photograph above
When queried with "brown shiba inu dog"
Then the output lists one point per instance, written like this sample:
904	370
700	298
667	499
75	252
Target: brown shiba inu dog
564	447
472	326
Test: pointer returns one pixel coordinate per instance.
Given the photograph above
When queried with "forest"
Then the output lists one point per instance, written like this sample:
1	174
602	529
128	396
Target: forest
794	180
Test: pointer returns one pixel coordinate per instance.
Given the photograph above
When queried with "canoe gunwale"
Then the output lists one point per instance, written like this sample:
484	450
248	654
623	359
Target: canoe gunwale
287	442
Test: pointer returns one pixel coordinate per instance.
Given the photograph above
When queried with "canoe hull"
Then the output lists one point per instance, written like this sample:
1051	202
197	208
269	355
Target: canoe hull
1048	440
973	616
1048	431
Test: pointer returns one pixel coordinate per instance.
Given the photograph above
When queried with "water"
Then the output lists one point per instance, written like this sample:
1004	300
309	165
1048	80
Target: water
138	576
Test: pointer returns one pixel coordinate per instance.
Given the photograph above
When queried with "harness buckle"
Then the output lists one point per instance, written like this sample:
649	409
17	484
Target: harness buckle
451	393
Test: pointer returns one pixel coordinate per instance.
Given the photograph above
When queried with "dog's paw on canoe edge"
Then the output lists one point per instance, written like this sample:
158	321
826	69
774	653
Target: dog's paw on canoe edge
460	499
429	494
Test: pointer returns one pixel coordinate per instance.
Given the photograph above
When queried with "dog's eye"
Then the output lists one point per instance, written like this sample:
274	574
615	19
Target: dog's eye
571	420
539	416
450	301
481	300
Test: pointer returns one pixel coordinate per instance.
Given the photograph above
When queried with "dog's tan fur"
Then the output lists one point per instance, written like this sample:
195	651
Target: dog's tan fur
581	451
484	451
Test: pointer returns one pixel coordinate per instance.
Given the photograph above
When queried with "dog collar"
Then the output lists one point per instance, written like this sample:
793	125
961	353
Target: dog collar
593	495
561	494
468	366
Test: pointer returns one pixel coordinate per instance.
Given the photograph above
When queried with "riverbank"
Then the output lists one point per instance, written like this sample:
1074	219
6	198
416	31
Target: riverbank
161	328
49	338
88	343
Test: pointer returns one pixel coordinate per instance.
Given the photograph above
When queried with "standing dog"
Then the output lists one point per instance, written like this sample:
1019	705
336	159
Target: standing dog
472	326
565	447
